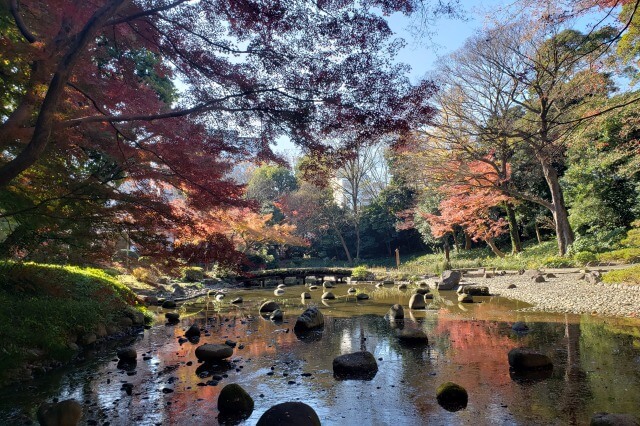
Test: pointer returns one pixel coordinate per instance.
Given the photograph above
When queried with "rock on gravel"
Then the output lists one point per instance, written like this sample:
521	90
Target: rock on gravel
567	294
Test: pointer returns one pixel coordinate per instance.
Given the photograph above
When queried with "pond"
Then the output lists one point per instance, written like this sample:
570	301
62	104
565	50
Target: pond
596	365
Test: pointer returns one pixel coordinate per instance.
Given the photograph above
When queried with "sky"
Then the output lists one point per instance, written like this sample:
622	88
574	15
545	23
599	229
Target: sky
447	35
421	53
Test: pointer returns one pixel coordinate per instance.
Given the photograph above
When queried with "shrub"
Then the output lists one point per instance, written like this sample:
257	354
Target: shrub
585	257
626	255
192	273
558	262
144	275
597	242
361	273
633	236
628	275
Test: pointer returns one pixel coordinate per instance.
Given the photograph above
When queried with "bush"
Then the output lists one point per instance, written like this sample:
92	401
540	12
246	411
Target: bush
558	262
585	257
144	275
628	275
598	242
633	236
625	255
192	273
361	273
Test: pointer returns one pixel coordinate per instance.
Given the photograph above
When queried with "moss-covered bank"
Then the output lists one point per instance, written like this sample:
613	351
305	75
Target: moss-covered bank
48	312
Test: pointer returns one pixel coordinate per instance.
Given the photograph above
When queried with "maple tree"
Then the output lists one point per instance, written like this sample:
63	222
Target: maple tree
93	96
248	232
471	205
260	65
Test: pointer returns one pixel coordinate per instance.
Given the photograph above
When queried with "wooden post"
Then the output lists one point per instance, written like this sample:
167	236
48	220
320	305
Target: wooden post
398	258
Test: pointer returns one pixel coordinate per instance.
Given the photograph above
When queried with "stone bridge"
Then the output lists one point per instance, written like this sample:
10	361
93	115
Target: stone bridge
300	274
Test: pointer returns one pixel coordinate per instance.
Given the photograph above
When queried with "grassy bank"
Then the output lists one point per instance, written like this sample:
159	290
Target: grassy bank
47	310
543	255
533	256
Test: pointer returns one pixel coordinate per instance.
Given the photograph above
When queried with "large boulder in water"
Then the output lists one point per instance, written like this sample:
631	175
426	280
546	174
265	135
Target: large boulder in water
451	396
289	414
449	280
234	400
527	359
357	365
416	301
396	312
127	354
169	304
474	290
192	332
172	317
211	352
268	306
328	296
310	319
67	413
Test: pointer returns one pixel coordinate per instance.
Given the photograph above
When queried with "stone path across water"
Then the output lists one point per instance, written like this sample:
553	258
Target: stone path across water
567	293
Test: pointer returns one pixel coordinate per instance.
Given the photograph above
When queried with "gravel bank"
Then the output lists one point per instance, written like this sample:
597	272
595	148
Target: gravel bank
567	293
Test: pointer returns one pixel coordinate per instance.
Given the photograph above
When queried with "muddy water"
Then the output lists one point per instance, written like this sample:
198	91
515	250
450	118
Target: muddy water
596	366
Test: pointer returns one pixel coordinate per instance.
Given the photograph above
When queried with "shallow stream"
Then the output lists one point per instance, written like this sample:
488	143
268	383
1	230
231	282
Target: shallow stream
596	365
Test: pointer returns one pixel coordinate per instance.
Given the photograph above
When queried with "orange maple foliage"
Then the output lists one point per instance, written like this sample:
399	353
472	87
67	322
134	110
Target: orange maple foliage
469	203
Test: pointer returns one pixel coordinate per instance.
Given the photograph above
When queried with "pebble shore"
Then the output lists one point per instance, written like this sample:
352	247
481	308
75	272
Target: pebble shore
567	293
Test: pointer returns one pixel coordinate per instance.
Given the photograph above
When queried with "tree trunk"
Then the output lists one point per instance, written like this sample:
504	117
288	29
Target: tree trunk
516	245
491	243
538	236
564	233
357	229
446	248
344	245
456	243
467	241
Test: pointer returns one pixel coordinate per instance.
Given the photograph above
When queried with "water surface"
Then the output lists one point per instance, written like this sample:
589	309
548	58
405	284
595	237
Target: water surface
596	365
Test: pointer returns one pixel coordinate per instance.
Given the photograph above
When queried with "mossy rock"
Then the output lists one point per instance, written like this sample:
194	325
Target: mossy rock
451	396
169	304
234	400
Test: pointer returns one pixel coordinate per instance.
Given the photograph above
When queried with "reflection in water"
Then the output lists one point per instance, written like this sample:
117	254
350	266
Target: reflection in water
595	366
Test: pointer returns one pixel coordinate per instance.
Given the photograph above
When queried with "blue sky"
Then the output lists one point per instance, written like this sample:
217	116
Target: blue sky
447	35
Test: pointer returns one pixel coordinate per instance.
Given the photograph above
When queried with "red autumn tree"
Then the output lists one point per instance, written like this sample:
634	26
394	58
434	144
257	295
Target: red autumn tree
470	202
262	66
95	135
245	230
